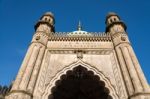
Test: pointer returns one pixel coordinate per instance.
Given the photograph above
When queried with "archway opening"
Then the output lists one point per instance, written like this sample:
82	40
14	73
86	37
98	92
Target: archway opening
80	84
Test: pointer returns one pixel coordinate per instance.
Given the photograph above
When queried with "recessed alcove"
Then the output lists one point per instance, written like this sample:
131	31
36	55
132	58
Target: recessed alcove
79	83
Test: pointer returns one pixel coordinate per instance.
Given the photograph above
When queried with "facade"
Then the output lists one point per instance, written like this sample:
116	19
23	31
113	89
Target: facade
80	65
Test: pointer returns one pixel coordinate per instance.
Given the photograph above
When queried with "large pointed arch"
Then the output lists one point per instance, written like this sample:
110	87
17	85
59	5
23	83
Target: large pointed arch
53	83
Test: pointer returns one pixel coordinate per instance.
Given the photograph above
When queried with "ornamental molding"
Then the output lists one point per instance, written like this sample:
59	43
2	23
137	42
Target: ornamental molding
119	34
104	39
117	73
79	45
97	52
41	33
93	37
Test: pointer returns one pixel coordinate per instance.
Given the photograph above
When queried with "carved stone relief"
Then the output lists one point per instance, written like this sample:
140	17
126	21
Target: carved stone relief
119	84
79	44
53	64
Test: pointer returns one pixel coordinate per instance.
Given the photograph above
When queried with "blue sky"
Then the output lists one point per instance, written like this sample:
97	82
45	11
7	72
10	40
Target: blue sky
18	17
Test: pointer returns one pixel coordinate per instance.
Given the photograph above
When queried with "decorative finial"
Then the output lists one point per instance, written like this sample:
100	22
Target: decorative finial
79	26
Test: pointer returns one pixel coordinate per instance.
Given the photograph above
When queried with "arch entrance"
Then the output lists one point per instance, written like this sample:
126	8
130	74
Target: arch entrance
79	83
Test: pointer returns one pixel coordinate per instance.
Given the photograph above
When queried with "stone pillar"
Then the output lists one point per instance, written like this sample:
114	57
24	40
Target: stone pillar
139	71
124	70
23	86
29	69
36	70
134	79
22	69
132	72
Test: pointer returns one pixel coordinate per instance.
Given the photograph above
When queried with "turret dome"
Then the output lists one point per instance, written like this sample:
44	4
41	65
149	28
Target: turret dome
49	14
111	14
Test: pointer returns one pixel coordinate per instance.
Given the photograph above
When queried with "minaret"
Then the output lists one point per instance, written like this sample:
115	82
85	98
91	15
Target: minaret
24	84
134	79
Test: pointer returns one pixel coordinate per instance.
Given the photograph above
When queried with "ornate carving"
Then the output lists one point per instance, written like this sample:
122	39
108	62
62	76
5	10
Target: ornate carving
100	52
80	54
119	86
41	33
41	85
97	52
40	37
79	45
94	37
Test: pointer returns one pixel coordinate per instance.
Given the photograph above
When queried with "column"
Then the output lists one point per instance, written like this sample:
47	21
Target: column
29	69
125	73
36	70
139	70
22	69
134	77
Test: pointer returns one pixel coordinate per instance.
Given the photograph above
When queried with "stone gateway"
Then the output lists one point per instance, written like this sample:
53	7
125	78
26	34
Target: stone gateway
80	64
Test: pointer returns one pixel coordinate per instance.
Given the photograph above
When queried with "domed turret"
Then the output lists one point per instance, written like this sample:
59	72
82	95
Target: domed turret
111	17
49	14
48	19
114	21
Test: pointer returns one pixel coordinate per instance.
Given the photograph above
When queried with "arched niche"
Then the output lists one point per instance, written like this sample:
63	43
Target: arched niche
96	84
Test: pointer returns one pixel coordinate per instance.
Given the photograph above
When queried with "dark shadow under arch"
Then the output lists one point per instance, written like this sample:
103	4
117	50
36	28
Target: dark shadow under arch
79	84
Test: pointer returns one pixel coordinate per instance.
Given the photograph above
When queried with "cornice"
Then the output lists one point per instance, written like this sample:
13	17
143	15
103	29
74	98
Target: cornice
94	37
74	51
